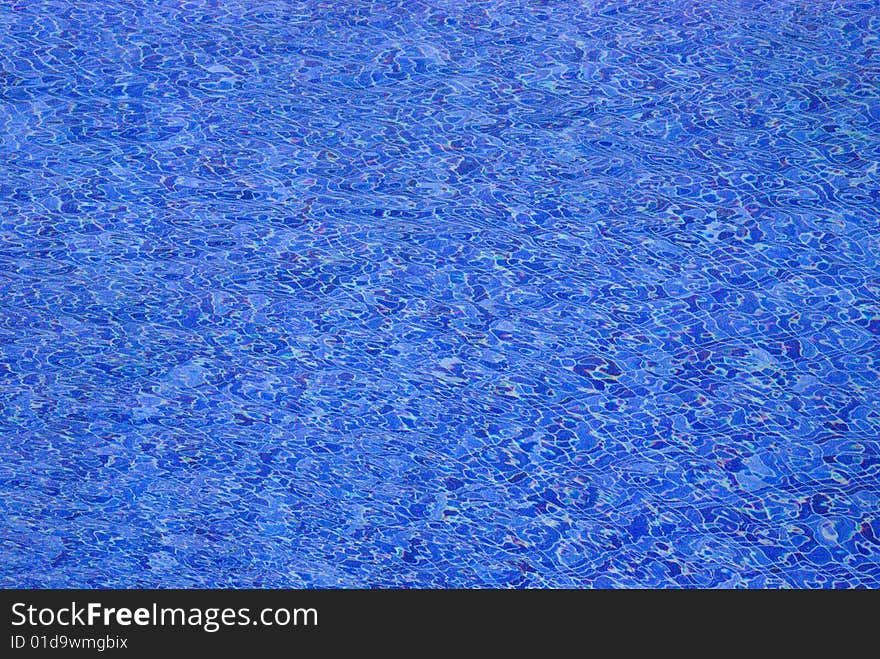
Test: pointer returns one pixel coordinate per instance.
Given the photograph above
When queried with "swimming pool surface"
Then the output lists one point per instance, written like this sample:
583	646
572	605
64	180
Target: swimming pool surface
440	294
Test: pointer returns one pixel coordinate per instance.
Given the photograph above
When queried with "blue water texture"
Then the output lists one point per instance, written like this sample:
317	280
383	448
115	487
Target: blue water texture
483	294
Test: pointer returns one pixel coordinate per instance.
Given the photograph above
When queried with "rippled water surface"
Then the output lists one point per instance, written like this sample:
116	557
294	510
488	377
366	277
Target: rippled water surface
440	294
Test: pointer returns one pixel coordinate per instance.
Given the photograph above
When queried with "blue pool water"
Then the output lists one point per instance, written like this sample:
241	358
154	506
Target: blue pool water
440	294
